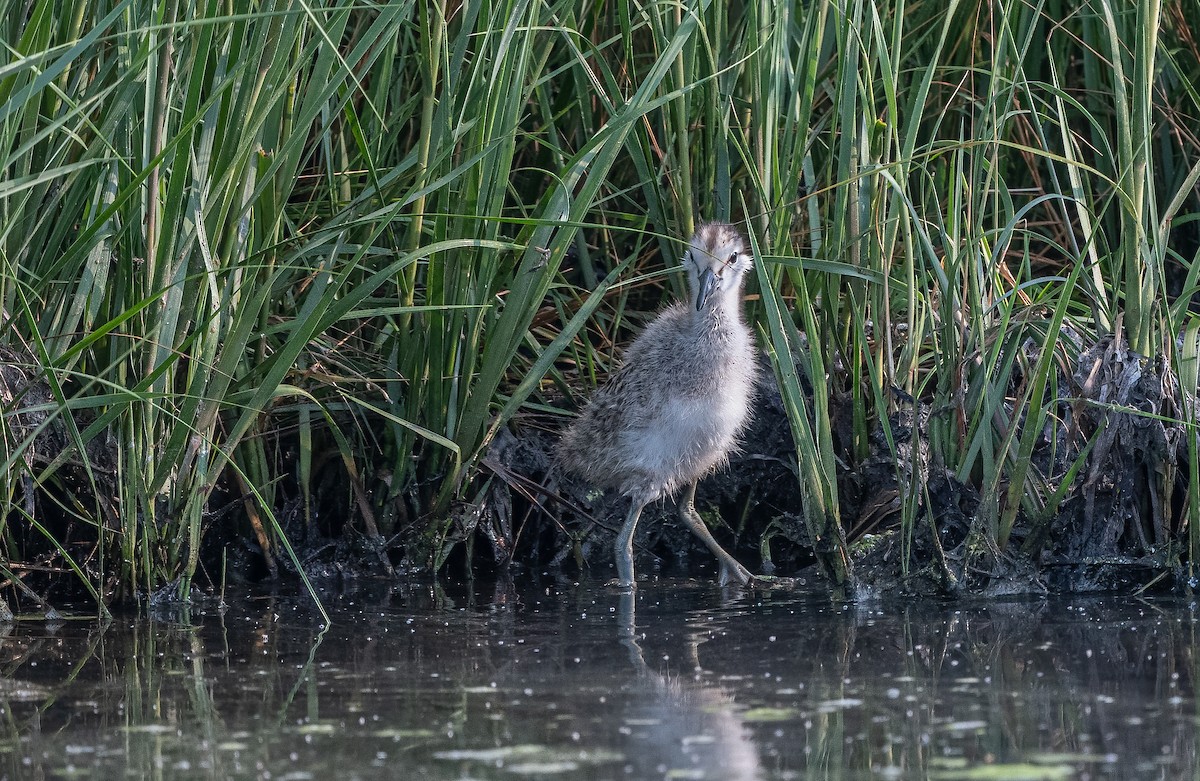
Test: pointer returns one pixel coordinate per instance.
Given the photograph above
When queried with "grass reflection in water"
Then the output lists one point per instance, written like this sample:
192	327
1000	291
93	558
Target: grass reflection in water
679	681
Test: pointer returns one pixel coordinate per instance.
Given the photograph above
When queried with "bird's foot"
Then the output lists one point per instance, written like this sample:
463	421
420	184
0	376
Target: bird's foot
619	585
770	581
734	574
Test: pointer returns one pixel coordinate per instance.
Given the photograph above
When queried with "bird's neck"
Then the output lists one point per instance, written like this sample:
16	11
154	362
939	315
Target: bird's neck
722	314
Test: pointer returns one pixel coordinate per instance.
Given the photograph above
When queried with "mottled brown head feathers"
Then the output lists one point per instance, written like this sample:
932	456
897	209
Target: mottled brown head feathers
716	261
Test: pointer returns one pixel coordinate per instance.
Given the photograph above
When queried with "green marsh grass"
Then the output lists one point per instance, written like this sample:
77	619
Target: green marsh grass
283	272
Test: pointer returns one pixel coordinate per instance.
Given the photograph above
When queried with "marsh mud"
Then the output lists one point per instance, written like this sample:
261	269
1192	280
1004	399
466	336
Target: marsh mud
568	680
1111	460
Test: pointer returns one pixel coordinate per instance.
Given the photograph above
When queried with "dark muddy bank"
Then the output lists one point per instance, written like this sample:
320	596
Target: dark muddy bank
1112	459
1112	517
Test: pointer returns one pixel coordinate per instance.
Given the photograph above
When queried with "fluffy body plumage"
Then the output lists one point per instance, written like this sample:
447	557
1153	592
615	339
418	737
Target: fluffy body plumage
673	412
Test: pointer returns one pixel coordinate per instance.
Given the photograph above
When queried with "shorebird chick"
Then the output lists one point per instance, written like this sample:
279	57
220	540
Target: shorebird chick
673	412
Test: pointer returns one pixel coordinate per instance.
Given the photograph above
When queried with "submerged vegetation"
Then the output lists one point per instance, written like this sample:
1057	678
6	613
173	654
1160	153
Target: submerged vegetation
275	276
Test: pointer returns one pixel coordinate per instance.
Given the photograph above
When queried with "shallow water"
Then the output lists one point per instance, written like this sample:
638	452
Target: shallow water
577	682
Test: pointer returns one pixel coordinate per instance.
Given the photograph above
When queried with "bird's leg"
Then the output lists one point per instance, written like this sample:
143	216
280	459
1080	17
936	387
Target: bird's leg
731	570
623	544
626	621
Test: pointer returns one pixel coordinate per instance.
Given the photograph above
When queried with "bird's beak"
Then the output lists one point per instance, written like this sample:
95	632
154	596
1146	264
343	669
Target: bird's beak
707	286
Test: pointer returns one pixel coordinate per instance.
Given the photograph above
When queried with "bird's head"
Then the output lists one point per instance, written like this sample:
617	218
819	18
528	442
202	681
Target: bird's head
716	262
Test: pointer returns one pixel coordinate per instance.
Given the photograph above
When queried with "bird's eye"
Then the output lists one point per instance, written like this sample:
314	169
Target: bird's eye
732	259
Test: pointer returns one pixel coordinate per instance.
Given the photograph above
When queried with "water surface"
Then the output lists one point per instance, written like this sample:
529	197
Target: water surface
578	682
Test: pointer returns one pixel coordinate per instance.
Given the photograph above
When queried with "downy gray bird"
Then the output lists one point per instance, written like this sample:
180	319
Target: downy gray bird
673	412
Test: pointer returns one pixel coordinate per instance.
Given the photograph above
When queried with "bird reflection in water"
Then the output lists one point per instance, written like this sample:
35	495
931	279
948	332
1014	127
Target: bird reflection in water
679	727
